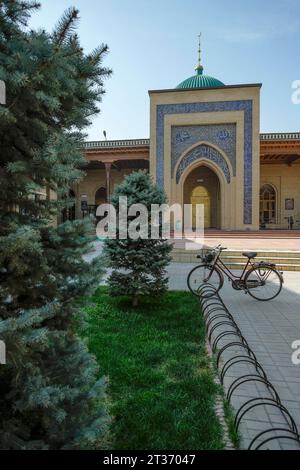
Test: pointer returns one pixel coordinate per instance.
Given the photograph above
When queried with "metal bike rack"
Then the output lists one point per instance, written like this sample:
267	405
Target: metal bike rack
217	316
255	402
237	360
291	435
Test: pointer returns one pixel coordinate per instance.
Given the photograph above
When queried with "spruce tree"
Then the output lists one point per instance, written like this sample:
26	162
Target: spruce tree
52	395
138	265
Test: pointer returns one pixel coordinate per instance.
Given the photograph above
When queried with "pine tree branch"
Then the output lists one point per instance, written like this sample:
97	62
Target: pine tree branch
19	11
66	25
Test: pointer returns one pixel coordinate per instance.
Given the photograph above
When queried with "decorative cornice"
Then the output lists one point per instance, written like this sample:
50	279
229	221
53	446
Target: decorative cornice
109	144
129	143
280	136
180	90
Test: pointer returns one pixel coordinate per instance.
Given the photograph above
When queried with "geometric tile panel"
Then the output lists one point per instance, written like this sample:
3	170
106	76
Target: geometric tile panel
222	136
216	106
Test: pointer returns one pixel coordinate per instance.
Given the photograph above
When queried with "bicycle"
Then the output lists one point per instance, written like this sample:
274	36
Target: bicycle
261	280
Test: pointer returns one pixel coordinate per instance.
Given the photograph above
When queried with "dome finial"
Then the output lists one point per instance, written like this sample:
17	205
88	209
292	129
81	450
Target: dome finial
199	68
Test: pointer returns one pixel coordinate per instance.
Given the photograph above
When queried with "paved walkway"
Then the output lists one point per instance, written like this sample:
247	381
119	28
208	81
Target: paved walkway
270	329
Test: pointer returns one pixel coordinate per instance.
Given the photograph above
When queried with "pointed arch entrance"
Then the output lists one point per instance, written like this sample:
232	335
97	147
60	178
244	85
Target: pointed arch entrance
202	186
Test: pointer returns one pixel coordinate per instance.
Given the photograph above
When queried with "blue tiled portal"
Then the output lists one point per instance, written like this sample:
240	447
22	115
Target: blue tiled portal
222	136
199	153
216	106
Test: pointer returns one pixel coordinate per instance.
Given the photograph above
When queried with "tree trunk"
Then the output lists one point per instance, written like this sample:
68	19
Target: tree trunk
135	301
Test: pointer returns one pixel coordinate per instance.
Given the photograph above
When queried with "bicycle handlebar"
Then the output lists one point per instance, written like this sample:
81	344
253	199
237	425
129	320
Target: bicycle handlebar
220	248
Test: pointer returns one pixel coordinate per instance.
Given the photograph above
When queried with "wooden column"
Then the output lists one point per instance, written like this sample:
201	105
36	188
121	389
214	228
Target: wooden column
107	170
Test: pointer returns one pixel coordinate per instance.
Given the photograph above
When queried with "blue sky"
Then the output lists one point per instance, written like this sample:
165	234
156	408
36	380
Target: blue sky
153	45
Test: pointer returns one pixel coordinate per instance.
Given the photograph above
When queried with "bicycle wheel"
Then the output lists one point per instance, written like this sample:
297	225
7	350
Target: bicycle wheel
263	283
204	275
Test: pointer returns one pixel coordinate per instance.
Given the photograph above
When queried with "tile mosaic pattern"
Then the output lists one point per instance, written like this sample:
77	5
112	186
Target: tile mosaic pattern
216	106
203	152
221	135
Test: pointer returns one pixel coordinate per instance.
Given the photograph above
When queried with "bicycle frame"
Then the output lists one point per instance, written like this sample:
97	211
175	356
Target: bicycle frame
225	270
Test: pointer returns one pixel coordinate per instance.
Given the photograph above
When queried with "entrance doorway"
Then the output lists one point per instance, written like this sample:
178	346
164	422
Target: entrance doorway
200	195
202	186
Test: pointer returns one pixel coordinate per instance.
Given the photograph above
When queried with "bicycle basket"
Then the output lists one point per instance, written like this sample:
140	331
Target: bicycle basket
207	256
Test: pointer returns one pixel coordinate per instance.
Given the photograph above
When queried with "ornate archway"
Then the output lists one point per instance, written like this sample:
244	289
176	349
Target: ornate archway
203	152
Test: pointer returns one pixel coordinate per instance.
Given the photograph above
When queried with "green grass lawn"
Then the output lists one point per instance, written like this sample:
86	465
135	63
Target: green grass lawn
161	388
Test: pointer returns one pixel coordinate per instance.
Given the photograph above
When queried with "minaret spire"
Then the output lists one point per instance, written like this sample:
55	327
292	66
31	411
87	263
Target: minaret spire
199	68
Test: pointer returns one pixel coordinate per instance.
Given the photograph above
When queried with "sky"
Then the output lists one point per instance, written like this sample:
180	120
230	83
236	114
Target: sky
153	45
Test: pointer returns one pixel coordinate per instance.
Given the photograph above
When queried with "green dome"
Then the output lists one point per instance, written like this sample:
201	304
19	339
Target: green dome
200	81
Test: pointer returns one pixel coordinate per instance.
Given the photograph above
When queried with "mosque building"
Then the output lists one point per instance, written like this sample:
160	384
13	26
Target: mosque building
205	147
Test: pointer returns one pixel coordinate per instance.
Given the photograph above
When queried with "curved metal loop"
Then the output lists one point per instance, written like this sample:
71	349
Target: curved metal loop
226	333
250	378
204	294
206	287
212	319
245	346
221	300
209	289
206	299
207	306
264	402
290	438
237	360
215	296
293	437
221	335
213	310
205	290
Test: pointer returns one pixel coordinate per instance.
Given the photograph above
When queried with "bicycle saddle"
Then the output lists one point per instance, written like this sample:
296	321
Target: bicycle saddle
250	254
